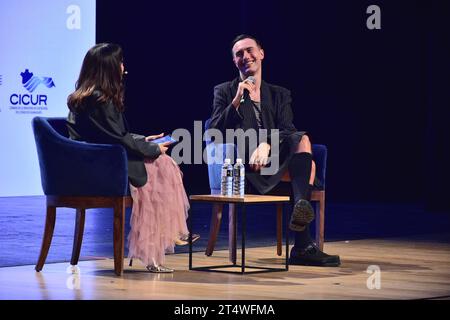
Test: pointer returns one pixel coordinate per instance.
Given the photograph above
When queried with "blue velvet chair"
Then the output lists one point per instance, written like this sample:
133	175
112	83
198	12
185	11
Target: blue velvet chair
80	175
222	151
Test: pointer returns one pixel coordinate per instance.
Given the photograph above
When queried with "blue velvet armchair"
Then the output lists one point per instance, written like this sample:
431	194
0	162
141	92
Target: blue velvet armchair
80	175
222	151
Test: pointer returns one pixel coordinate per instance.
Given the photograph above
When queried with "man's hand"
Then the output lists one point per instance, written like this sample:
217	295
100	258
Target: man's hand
246	84
260	157
156	136
164	146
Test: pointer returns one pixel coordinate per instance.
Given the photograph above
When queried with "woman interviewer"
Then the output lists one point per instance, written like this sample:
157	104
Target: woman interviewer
160	204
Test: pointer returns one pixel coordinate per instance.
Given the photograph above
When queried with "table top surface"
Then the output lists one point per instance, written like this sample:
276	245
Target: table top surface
248	198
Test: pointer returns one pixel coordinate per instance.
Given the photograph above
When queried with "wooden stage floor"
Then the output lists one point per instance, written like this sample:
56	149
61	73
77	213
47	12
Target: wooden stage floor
408	270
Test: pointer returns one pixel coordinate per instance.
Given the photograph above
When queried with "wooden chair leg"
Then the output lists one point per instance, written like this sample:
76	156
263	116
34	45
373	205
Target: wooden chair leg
48	235
78	236
232	232
216	219
279	228
320	221
119	236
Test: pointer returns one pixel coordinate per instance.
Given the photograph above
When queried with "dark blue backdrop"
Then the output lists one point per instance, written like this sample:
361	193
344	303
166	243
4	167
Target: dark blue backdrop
378	99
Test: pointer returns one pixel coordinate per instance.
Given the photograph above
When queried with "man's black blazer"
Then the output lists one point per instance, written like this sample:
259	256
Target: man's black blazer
276	114
275	107
98	122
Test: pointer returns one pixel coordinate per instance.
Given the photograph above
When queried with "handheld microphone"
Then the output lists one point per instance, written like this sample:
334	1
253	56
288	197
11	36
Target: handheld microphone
246	93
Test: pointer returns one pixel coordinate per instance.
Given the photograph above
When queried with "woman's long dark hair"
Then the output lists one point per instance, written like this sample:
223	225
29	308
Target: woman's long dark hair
101	70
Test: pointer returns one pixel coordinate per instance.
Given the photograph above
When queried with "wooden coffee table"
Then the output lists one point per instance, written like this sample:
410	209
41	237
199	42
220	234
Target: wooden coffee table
240	202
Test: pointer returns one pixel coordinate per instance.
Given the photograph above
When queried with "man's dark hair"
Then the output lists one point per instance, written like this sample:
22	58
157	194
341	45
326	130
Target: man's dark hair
244	36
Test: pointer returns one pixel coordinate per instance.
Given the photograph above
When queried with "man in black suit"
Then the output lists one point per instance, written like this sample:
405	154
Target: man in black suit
249	103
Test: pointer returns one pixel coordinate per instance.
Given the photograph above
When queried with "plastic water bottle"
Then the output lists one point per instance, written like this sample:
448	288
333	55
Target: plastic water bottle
226	187
239	178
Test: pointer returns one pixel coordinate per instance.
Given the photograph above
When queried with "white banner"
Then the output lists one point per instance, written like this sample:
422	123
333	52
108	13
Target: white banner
42	46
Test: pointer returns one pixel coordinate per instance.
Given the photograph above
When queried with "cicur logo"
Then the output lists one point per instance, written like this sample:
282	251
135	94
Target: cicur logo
31	82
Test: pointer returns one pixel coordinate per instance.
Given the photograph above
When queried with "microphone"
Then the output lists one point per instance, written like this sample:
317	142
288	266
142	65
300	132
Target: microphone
246	93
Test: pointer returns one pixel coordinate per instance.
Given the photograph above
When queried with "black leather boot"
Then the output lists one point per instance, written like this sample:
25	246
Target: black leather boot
312	256
302	214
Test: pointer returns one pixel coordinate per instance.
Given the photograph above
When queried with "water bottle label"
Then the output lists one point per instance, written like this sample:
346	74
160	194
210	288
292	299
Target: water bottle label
239	172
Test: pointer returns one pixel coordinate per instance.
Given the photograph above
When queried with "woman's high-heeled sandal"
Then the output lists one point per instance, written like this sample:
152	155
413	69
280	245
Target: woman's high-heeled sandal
159	269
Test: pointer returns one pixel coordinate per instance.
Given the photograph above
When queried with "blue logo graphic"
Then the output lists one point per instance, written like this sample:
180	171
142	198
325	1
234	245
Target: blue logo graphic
30	82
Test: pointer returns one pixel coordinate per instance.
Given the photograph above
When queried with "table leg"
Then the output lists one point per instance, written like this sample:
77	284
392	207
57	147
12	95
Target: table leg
190	235
286	231
243	231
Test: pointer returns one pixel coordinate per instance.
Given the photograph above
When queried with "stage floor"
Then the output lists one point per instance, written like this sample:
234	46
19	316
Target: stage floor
418	269
22	221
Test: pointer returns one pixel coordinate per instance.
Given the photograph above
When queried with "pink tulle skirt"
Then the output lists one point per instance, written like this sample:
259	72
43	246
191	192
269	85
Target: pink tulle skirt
159	213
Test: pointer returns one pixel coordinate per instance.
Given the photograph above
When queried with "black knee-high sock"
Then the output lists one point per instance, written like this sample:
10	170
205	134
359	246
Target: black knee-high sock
303	238
300	172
